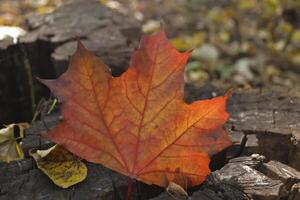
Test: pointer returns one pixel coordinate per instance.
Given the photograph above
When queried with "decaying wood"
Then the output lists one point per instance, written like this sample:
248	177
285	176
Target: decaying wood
34	139
295	150
254	183
272	117
13	84
242	178
31	183
109	34
246	172
211	190
259	180
22	180
209	195
254	161
248	178
295	192
282	172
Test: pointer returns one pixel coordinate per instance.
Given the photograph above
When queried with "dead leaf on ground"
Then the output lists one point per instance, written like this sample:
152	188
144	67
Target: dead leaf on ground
10	138
60	165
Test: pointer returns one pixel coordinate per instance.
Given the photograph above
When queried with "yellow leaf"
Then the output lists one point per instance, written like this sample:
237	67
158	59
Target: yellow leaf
62	167
45	9
294	56
185	43
10	137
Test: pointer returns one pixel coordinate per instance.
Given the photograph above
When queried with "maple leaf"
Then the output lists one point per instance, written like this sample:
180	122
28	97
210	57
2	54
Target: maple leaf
138	124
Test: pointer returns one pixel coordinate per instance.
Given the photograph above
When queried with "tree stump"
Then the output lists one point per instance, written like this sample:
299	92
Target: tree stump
273	118
251	174
247	178
51	38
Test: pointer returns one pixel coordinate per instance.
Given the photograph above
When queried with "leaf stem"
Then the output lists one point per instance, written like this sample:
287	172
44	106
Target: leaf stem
129	188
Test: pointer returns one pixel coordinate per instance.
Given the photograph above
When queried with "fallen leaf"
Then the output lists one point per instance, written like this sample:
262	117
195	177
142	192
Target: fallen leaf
195	73
10	138
192	42
151	26
207	53
176	190
138	124
60	165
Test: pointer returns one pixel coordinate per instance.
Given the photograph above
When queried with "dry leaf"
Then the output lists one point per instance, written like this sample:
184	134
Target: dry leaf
10	138
60	165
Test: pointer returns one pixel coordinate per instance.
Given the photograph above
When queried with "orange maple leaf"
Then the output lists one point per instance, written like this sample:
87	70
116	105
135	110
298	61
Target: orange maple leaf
138	124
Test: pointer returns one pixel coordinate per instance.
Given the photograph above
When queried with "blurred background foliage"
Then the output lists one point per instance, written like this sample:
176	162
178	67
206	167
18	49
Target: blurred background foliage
12	12
237	43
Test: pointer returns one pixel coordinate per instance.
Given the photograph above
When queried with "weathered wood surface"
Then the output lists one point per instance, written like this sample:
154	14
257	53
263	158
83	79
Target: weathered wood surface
31	183
253	182
295	192
248	178
109	34
278	171
243	169
22	180
245	109
50	40
255	161
271	117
